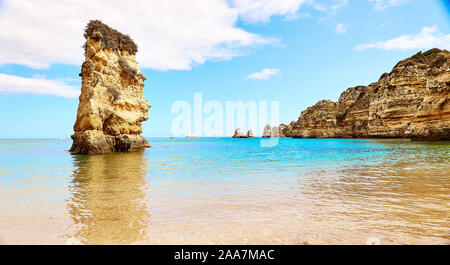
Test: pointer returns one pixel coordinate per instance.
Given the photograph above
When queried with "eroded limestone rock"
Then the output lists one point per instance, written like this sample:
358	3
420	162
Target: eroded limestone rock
318	121
112	106
412	101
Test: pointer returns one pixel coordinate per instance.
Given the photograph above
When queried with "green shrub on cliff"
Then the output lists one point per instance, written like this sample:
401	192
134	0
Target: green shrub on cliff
431	58
110	37
432	51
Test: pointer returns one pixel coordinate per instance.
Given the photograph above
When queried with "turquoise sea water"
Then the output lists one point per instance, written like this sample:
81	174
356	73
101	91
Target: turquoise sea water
224	190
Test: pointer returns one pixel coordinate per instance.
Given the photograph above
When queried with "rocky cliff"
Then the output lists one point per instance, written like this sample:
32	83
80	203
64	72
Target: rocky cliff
318	121
111	106
412	101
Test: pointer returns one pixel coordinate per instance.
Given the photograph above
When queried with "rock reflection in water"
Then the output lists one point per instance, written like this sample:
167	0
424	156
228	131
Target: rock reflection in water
108	198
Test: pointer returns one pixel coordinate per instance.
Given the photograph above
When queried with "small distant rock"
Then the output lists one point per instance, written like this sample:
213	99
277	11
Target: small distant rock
273	132
267	133
239	134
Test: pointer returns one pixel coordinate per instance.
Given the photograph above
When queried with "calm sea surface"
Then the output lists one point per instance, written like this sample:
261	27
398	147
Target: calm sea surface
227	191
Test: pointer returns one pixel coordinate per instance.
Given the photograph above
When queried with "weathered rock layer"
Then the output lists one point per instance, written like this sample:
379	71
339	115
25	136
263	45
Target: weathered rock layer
412	101
112	106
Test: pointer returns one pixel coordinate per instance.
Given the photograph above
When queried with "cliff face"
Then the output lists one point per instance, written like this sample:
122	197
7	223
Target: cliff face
112	105
410	102
318	121
413	100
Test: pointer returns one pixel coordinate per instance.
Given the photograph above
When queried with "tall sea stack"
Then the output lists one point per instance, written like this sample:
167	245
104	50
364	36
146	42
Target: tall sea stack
112	105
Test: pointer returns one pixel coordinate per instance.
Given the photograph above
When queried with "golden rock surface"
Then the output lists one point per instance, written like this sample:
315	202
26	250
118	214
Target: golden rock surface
412	101
112	106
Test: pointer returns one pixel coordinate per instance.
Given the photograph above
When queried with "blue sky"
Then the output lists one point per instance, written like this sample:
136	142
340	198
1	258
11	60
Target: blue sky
316	50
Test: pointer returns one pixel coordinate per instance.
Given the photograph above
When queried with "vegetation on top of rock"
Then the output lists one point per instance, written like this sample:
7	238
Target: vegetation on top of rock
383	76
418	57
432	51
438	62
110	37
433	58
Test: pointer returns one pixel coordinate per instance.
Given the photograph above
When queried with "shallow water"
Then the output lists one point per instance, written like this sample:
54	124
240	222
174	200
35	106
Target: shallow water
227	191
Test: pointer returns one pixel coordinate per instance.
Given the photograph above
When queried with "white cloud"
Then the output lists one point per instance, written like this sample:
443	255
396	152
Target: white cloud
303	15
171	34
381	5
429	37
11	84
341	28
318	6
262	10
339	4
264	74
331	7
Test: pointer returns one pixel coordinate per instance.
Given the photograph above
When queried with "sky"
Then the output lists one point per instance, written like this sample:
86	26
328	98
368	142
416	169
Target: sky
296	52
